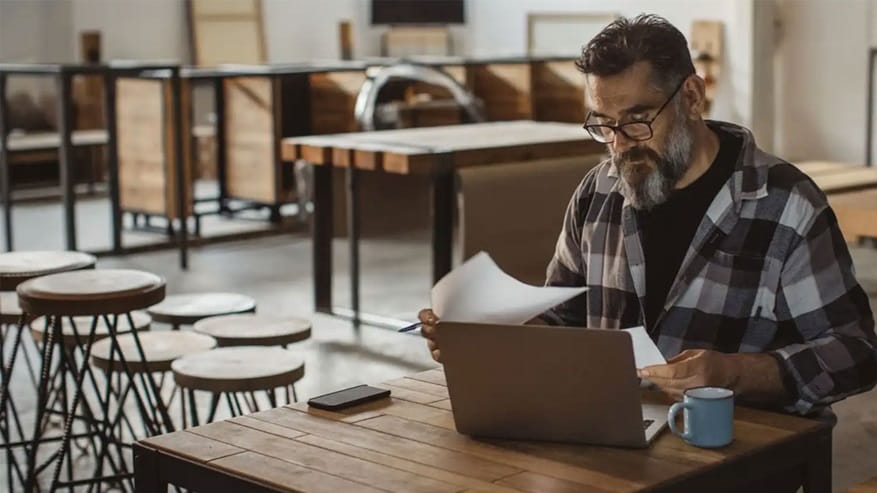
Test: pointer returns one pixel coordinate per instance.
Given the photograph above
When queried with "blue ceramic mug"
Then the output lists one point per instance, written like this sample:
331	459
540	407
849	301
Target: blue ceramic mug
709	417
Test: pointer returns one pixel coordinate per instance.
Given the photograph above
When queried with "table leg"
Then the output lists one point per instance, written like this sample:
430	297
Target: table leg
442	224
817	470
5	175
113	161
322	239
65	157
353	218
219	111
146	474
181	163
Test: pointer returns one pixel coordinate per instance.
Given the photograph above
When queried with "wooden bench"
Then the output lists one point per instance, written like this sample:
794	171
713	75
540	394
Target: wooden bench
41	147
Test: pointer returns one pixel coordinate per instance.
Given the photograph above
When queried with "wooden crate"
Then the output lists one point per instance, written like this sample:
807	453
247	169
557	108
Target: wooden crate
147	164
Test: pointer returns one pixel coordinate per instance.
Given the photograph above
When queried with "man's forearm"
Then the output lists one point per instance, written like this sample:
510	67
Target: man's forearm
757	378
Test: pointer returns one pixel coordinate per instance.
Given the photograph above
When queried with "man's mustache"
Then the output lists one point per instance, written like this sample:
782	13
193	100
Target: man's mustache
635	154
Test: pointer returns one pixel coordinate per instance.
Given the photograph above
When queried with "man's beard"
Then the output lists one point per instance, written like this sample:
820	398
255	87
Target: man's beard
648	178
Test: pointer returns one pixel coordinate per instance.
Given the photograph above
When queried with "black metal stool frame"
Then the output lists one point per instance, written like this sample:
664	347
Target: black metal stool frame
109	424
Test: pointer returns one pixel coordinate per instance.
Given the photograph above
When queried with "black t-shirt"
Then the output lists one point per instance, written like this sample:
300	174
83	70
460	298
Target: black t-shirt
668	229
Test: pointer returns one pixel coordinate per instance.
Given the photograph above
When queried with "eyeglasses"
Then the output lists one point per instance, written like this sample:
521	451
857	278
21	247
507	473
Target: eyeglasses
638	131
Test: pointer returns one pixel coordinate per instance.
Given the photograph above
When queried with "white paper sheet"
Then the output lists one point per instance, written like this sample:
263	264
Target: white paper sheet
645	352
479	291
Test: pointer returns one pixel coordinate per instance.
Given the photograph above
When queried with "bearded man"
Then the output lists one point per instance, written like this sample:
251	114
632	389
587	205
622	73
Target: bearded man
729	256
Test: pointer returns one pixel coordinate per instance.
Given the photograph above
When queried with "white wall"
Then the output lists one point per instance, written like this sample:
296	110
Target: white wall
34	31
134	29
298	30
821	79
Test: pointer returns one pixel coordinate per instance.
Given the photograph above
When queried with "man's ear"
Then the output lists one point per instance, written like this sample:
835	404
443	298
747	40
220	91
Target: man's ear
694	97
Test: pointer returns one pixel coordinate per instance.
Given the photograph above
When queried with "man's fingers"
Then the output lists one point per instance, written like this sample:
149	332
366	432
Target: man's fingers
431	345
428	331
426	316
684	355
664	372
437	355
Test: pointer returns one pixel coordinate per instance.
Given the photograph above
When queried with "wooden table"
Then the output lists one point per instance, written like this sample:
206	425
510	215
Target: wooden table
435	152
834	177
408	443
852	193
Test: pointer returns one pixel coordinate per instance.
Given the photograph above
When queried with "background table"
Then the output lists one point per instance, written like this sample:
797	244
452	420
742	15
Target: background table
434	152
408	443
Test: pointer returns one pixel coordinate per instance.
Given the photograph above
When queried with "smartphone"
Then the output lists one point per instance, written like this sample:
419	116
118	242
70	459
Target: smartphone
348	397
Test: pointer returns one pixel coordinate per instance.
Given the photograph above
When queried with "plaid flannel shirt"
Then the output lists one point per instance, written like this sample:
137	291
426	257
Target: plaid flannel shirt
767	271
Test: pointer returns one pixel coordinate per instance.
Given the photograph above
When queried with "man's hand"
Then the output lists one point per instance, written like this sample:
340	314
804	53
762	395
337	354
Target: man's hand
429	321
752	376
691	368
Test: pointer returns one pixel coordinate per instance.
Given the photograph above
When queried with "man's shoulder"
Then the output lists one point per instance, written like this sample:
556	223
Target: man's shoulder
787	182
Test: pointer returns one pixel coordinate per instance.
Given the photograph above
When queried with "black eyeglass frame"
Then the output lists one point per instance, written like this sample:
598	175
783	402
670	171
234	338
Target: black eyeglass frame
594	128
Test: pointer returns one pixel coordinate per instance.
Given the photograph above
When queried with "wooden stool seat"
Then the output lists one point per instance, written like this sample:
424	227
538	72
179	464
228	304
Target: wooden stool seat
10	312
17	267
74	334
250	329
161	348
186	309
90	292
238	369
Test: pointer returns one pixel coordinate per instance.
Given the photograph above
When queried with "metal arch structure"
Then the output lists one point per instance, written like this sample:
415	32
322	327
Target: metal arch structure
366	100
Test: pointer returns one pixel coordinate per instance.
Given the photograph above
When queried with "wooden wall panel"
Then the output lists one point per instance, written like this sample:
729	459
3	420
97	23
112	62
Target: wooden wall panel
250	138
558	92
145	143
504	88
333	96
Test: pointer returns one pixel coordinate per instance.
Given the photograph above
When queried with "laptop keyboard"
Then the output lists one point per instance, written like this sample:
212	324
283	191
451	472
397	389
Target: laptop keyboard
647	423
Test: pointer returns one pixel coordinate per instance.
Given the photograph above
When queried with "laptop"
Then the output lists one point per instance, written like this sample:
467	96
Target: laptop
558	384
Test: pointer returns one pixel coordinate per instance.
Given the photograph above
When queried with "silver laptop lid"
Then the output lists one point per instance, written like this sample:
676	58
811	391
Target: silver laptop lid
542	383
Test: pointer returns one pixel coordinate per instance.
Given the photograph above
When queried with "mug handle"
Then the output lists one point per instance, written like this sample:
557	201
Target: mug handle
671	419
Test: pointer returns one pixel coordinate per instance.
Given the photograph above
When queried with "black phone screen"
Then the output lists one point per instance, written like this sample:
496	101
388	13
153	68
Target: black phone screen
348	397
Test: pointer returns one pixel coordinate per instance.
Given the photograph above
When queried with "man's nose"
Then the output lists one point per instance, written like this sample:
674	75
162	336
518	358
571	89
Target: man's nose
622	143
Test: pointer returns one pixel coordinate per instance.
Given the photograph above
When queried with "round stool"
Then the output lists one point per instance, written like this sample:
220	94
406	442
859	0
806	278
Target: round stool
15	268
94	293
10	312
160	349
74	332
250	329
186	309
237	370
10	317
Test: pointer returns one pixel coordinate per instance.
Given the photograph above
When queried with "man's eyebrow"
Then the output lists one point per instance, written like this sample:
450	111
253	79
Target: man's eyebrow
633	110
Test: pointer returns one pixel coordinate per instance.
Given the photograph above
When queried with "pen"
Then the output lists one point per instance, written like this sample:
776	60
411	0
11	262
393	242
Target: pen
411	327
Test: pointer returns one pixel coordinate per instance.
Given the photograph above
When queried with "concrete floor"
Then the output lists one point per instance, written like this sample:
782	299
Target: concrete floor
276	272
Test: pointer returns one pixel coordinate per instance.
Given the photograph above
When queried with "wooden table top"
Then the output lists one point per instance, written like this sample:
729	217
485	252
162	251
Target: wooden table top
424	150
814	168
408	443
869	486
833	177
